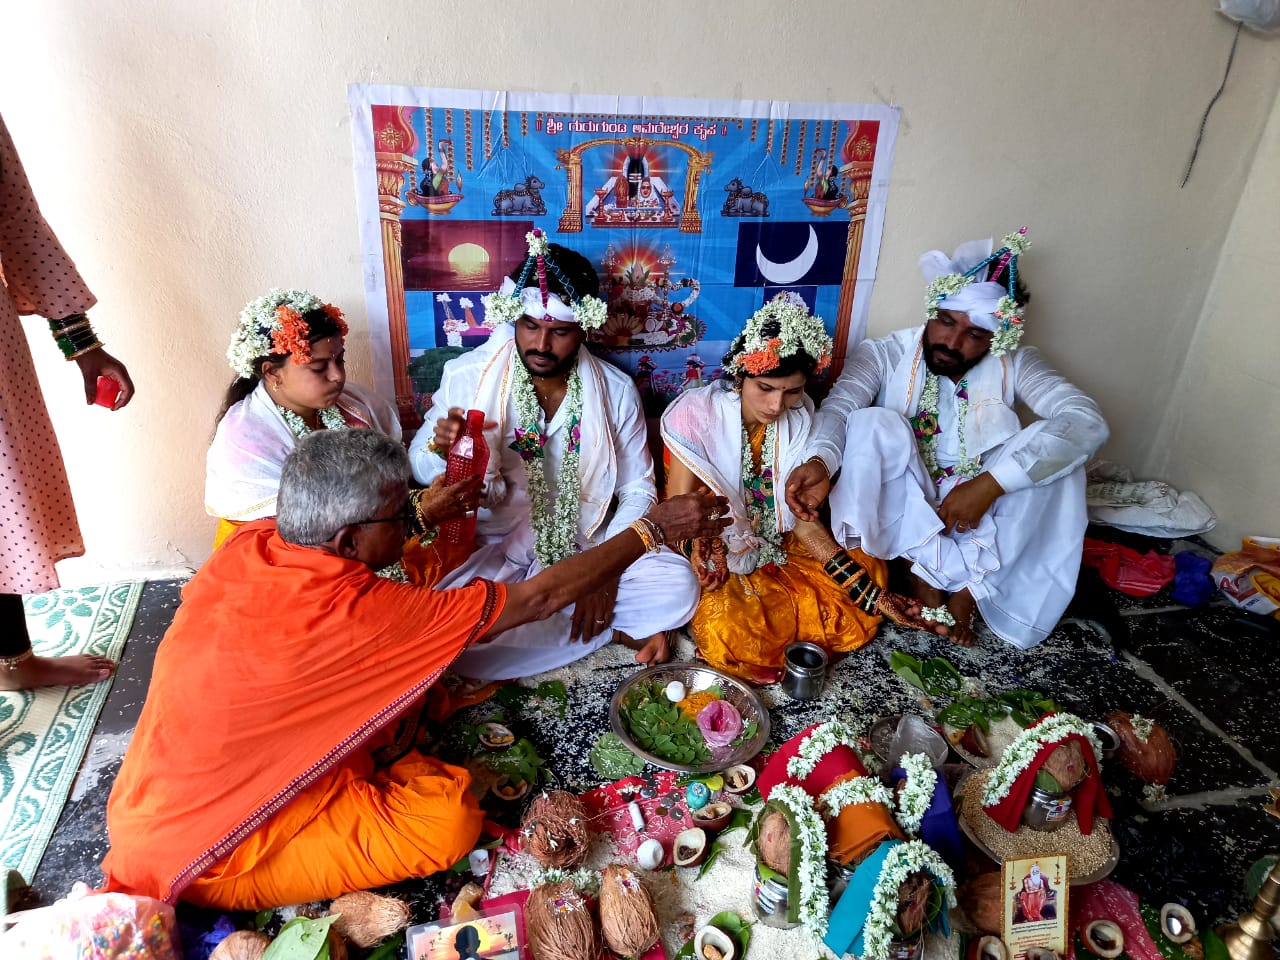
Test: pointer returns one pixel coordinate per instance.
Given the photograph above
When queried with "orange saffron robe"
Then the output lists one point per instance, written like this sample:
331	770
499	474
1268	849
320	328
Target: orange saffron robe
250	781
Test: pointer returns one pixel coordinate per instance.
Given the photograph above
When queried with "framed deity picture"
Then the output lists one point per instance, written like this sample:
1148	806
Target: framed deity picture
496	934
1035	903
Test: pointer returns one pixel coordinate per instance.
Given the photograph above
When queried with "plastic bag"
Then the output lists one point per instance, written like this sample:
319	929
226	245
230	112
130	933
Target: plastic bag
93	926
1250	577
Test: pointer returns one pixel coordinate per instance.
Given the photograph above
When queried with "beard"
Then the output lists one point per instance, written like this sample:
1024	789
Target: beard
945	362
558	369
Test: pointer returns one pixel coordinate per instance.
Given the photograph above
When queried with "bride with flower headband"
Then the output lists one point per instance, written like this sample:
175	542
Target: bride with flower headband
769	580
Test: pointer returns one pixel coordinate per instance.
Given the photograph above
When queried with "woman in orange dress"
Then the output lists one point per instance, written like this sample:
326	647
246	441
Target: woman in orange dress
769	580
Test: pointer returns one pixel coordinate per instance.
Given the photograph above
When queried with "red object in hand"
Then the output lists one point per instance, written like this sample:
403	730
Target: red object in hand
468	457
108	393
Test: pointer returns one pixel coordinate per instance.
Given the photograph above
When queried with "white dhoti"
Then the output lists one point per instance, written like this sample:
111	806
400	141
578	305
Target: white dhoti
1020	563
658	592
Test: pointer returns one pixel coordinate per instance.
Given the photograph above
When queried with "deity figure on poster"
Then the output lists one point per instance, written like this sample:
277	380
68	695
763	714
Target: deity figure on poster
634	194
648	307
438	172
1037	900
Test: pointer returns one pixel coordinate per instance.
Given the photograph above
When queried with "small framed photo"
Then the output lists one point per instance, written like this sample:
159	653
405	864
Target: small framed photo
496	934
1035	903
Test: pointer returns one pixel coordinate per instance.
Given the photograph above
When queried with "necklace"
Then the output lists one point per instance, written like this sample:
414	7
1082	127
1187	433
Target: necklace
926	428
555	529
757	488
330	419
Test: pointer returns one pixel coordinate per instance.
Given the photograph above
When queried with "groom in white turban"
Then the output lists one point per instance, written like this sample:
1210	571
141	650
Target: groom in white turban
935	466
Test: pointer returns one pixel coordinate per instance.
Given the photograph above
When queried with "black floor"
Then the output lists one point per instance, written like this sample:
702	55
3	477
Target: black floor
1208	675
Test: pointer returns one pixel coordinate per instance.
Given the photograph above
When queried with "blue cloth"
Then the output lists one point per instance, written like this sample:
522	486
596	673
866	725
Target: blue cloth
845	926
1192	584
939	828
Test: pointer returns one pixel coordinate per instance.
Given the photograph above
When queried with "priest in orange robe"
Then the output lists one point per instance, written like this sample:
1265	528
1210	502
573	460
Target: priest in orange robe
252	778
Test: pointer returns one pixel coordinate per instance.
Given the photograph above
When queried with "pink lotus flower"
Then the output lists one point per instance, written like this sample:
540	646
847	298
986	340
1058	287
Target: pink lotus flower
720	723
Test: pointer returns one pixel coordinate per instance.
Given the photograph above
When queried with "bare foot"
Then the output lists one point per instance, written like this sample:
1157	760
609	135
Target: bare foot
927	593
905	612
56	672
649	652
962	606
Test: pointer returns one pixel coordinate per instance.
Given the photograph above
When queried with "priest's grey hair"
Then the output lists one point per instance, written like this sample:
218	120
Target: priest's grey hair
338	477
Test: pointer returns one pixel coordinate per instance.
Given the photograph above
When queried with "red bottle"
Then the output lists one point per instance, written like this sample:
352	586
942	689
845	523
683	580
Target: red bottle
468	457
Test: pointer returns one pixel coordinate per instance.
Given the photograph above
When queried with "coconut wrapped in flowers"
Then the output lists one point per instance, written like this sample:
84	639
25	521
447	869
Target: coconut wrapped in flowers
555	829
1145	747
911	891
1056	756
628	920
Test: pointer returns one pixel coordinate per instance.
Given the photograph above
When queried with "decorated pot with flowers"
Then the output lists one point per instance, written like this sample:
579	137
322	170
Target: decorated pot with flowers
1048	773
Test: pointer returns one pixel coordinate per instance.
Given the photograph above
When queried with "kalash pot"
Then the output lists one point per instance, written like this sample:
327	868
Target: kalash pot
1046	810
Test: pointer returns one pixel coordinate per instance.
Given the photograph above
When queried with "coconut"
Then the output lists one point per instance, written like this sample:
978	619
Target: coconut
980	899
241	945
627	917
989	948
555	829
1177	923
775	841
913	901
690	847
1104	937
1065	764
367	918
559	925
1151	760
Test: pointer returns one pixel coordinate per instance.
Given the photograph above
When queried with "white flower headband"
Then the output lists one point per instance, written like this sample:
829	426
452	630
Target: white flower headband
798	331
517	298
274	324
1007	336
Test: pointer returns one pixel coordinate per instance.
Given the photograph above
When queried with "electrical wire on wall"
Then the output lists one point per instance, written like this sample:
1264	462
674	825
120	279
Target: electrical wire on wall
1205	119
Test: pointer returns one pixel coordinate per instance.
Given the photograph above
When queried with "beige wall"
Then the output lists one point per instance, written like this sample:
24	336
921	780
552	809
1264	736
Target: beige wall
193	154
1221	436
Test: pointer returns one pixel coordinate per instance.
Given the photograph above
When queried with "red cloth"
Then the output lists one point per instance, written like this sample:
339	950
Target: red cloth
1127	570
1090	797
842	763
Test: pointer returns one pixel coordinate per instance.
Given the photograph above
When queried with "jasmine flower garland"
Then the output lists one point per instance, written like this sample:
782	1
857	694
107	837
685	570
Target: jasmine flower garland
1018	755
902	861
756	352
502	308
917	794
330	419
757	488
811	870
260	319
555	529
850	793
926	428
821	740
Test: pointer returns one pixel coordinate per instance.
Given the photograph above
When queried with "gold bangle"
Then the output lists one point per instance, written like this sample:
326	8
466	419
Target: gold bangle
96	345
642	531
821	461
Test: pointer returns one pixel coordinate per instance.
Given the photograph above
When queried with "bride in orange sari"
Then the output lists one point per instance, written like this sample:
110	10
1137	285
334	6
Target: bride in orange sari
769	580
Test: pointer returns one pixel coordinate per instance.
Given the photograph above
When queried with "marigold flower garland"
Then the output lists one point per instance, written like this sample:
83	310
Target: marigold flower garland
821	740
757	488
555	529
1018	755
812	868
902	861
917	793
274	323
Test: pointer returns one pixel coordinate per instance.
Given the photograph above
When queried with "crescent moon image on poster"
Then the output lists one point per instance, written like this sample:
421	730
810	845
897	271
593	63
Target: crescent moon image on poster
792	270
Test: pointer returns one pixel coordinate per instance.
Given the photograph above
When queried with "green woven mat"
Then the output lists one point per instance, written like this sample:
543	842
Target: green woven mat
44	733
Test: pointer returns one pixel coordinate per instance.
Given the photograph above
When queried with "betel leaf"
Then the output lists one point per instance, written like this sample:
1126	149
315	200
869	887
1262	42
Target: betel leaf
711	858
940	678
739	930
302	939
388	949
909	668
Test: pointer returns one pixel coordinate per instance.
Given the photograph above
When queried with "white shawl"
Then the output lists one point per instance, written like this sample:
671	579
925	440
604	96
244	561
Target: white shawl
703	429
242	467
991	420
597	460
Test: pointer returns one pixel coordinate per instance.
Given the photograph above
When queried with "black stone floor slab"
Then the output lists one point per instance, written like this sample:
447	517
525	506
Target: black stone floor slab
1170	665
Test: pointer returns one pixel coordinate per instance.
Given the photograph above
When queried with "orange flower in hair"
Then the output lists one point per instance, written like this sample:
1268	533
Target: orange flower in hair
762	361
293	335
334	314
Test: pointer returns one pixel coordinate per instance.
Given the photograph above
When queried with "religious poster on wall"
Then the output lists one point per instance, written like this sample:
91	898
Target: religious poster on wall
693	212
